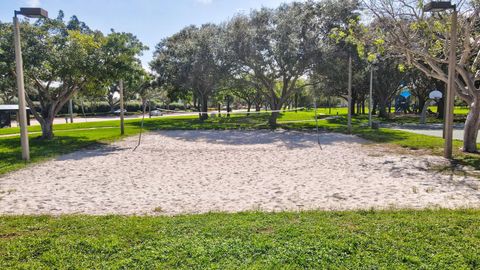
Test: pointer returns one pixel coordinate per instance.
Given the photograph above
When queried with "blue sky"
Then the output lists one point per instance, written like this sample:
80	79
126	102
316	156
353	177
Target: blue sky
149	20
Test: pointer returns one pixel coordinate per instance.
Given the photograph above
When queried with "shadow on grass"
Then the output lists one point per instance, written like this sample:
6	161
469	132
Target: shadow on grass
472	160
217	123
11	154
332	124
339	124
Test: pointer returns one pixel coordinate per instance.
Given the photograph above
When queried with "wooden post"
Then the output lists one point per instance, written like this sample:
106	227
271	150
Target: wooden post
122	124
70	110
349	93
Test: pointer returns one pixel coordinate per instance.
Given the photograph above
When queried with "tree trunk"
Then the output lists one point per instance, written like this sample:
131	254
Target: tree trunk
111	103
421	104
352	105
249	106
204	109
83	109
195	103
150	109
382	109
257	107
441	108
272	121
47	128
228	107
471	128
296	101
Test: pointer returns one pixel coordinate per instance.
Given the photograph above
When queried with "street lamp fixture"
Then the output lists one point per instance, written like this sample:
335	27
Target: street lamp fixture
438	6
32	12
22	112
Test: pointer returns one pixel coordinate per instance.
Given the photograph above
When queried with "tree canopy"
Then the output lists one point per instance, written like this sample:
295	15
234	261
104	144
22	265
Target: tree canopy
62	58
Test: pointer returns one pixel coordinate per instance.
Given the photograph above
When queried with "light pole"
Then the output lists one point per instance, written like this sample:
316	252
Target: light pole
437	6
22	112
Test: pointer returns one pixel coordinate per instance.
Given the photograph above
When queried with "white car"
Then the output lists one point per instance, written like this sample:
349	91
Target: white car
156	113
118	111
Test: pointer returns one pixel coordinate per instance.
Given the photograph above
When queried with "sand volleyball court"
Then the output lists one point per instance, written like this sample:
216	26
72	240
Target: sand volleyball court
176	172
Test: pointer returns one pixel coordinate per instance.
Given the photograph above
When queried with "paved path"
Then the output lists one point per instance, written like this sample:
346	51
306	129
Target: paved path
432	130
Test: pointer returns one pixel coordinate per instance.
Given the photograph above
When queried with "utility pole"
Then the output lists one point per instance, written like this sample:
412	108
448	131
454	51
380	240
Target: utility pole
349	98
122	126
22	109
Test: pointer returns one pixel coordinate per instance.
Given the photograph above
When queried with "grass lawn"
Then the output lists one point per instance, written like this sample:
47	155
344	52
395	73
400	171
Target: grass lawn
71	137
431	239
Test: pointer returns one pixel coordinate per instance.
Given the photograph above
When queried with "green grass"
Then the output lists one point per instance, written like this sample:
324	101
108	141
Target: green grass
70	137
460	110
430	239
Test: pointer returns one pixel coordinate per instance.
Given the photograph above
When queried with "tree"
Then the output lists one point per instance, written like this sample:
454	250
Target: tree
279	46
248	91
193	61
332	73
7	88
421	85
423	41
62	58
7	79
111	97
387	81
142	85
120	54
68	61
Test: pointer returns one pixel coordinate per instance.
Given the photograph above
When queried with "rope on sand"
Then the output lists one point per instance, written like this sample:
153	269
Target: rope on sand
141	127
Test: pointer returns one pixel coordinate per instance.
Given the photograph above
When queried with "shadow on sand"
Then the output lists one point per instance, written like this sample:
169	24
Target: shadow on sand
289	139
92	151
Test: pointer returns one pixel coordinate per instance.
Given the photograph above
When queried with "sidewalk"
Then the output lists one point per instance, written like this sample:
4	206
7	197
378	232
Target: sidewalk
429	129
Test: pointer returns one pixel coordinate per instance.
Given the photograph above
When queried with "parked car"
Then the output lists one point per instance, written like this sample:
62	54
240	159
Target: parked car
118	111
156	113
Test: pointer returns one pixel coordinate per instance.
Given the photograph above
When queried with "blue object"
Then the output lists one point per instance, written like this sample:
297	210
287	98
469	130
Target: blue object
405	93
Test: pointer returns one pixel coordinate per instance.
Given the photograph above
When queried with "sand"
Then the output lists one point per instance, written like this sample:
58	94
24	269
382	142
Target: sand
179	172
